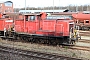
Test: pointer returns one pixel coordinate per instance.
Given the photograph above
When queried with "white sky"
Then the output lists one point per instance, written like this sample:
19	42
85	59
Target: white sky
42	3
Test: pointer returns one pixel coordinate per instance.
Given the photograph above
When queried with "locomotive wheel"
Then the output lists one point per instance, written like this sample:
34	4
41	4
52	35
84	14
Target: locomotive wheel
73	42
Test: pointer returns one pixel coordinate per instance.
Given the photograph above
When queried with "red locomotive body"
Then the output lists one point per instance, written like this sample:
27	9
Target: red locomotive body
40	27
5	24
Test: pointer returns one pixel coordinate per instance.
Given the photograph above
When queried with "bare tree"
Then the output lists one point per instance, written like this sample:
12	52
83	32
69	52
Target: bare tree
70	7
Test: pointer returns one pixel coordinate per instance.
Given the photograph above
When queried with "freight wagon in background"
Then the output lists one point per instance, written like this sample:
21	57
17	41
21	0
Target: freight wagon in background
82	20
41	28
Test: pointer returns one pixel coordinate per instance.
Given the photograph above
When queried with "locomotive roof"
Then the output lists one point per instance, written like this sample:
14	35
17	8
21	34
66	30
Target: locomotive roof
64	13
31	14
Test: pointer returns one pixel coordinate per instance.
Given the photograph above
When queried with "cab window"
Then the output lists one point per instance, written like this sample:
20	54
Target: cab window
26	18
87	21
32	18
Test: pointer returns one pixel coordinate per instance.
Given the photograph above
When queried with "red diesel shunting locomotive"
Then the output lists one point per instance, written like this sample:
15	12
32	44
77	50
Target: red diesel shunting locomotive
41	28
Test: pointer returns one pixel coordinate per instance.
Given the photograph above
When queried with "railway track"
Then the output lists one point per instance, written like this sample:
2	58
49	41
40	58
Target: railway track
76	47
80	48
81	31
84	41
85	34
38	55
82	45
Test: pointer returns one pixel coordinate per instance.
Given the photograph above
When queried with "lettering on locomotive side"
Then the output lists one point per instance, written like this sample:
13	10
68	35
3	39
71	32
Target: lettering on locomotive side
9	21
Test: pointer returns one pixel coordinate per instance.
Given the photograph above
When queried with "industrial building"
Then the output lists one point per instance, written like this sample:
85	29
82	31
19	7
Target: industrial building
6	7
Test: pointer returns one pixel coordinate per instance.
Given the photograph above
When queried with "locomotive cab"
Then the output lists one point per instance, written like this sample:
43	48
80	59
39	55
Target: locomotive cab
31	20
34	16
29	17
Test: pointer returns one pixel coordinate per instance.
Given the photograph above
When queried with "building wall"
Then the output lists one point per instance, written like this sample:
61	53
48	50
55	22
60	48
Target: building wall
6	7
1	7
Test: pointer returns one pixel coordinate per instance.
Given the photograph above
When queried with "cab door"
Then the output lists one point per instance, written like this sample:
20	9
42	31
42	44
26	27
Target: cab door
31	24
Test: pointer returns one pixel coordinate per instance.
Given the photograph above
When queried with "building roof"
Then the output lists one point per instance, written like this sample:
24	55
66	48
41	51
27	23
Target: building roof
35	11
5	1
8	1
